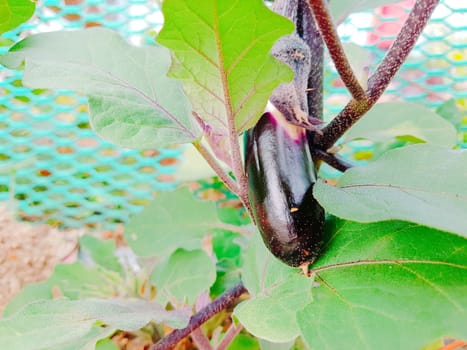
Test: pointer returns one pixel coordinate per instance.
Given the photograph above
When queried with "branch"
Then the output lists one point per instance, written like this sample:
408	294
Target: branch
231	333
333	160
221	303
307	29
379	81
211	160
201	340
336	51
400	48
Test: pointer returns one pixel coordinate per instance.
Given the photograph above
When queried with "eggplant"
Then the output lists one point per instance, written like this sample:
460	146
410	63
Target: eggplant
281	175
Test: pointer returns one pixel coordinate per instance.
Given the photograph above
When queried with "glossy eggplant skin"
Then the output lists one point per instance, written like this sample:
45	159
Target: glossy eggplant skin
280	180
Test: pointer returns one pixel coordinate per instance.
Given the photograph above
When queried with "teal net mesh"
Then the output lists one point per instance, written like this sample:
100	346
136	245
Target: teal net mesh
57	170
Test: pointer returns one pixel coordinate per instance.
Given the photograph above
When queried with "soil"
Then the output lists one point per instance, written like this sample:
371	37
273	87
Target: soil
28	252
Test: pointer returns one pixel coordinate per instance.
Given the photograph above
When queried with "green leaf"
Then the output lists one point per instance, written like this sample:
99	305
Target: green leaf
421	183
243	342
29	293
226	247
102	252
277	292
234	216
221	53
173	220
132	102
359	58
78	324
15	12
74	281
390	120
184	276
388	285
106	344
267	345
449	111
341	9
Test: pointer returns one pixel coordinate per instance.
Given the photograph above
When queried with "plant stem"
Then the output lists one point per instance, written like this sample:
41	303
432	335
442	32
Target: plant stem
211	160
336	51
333	160
200	340
379	81
221	303
231	333
401	48
307	29
237	166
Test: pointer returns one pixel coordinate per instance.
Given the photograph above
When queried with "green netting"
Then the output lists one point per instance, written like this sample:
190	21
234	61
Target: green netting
59	172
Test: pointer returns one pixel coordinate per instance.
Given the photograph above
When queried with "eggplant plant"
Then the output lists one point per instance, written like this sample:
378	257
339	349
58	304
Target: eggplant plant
382	253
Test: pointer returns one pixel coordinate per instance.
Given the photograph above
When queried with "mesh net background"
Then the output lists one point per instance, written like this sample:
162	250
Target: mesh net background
58	172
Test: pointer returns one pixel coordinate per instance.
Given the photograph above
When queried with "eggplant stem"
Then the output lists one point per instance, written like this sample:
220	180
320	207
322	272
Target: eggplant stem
202	316
329	34
213	163
380	79
334	160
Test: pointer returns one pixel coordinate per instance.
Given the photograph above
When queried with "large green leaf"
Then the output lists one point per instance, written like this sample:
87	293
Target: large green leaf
173	220
388	285
390	120
277	292
132	102
221	53
77	324
421	183
184	276
15	12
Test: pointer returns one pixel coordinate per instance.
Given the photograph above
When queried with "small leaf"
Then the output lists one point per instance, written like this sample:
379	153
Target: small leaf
390	120
221	53
78	324
73	281
226	247
102	252
449	111
184	276
341	9
173	220
266	345
388	285
132	102
15	12
243	342
106	344
421	183
359	59
277	293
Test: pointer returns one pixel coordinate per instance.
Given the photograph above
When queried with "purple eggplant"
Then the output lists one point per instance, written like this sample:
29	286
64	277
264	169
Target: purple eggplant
281	175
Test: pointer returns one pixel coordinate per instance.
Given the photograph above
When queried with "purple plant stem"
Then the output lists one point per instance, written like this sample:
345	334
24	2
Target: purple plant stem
328	32
201	340
231	333
333	160
200	317
379	81
212	161
307	29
